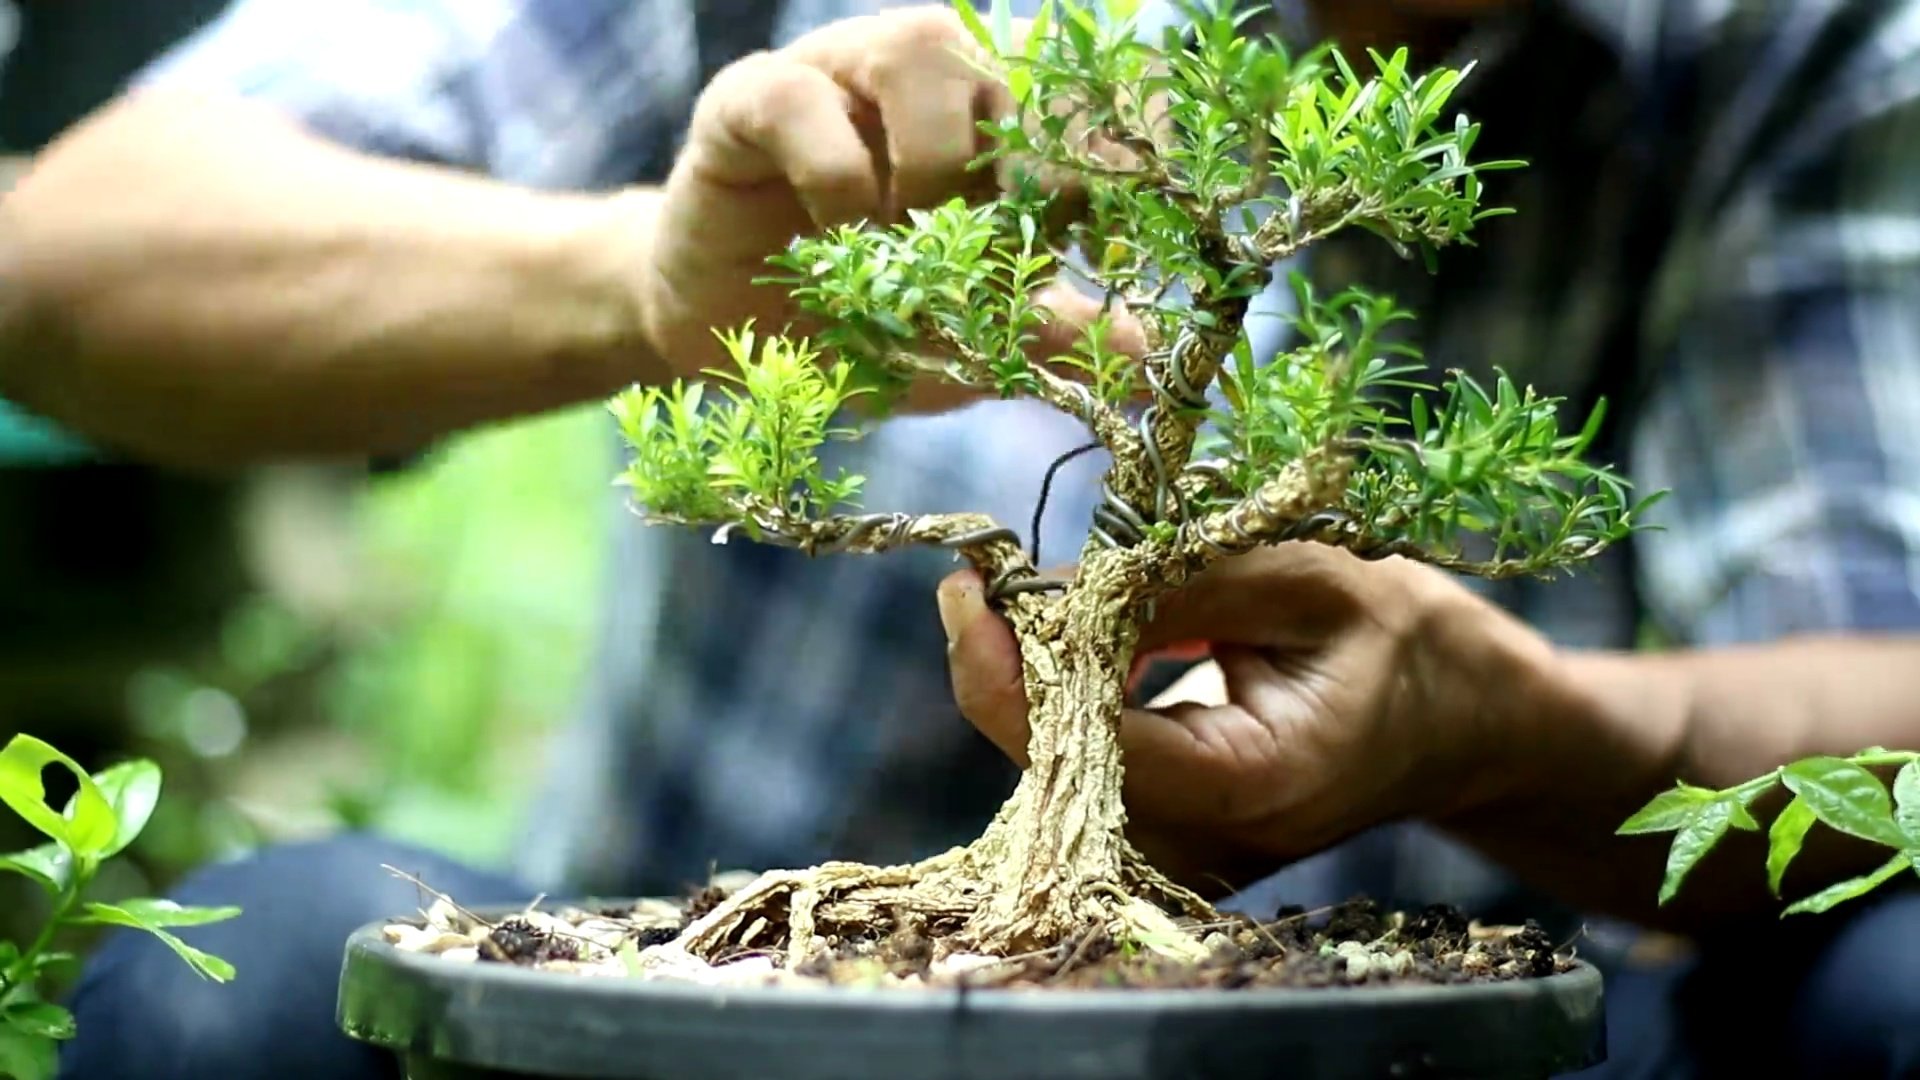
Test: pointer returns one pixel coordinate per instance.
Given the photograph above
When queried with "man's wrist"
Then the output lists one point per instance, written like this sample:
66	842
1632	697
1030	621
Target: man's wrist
1496	688
1558	727
607	253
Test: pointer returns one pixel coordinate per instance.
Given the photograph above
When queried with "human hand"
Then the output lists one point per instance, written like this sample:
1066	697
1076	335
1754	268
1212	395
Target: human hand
864	118
1343	694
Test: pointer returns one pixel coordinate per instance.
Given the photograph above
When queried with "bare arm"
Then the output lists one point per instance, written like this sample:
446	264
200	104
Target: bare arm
1598	735
199	281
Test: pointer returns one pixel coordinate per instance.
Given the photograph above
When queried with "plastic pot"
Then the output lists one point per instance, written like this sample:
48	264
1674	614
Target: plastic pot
448	1020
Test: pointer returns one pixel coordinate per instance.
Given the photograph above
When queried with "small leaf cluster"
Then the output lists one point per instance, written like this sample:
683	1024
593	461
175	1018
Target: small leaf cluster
1321	392
750	453
1841	793
1196	161
958	276
1482	463
105	814
1384	156
1182	136
1224	131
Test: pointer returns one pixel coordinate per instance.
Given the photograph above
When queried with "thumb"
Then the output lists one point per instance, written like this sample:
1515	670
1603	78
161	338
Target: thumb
983	660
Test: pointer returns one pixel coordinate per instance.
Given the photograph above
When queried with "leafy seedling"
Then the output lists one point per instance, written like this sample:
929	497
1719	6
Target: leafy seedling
105	814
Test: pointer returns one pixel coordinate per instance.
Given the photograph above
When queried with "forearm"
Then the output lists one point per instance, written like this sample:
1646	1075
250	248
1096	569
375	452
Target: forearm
201	282
1604	733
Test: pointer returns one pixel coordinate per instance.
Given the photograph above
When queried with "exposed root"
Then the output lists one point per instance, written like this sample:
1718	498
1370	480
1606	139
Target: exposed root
805	914
1140	878
1348	944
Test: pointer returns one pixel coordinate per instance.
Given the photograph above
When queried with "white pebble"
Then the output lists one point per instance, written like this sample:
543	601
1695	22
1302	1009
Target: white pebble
444	916
602	932
960	963
1360	962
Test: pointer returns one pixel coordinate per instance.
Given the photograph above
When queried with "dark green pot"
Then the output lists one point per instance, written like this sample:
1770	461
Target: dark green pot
464	1021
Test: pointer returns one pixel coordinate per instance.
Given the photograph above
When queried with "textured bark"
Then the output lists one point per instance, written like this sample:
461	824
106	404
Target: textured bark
1058	841
1055	860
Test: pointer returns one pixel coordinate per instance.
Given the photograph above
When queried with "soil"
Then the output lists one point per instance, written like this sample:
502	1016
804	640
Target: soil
1350	944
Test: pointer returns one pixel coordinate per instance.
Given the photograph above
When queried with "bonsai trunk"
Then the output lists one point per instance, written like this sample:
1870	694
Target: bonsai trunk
1054	862
1056	853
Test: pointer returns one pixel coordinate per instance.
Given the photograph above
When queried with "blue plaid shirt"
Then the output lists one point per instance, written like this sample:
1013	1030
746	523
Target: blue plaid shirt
1720	231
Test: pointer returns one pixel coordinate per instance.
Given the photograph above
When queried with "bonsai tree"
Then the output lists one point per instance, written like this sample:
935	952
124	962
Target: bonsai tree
1200	165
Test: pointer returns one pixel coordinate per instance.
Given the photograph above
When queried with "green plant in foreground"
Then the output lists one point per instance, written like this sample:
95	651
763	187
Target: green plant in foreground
1838	792
1253	156
104	815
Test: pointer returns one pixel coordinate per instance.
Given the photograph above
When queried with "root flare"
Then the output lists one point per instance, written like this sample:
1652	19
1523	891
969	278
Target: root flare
803	914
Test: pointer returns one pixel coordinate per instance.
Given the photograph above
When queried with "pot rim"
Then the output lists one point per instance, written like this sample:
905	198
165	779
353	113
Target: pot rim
502	1019
368	945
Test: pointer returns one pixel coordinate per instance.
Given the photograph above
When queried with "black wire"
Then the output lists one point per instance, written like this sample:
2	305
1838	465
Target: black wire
1046	489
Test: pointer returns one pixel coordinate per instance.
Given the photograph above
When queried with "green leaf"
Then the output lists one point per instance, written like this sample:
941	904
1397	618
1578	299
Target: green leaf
41	1018
1020	84
1845	797
1037	33
47	864
168	913
131	788
629	955
970	18
1669	810
1906	802
1002	14
27	1057
51	959
1695	838
1840	893
1784	839
87	827
152	915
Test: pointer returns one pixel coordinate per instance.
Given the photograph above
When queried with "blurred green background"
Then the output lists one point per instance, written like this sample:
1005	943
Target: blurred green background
411	639
301	648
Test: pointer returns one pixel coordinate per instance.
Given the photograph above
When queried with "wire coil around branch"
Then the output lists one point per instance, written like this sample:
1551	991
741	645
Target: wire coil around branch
1182	395
899	528
1241	539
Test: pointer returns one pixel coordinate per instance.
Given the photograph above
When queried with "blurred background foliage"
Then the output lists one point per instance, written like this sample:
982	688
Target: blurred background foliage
302	649
411	639
395	652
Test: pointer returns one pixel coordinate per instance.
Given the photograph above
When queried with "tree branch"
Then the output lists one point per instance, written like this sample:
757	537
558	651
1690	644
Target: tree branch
1294	507
1264	516
1107	423
1334	529
1179	378
1290	506
991	548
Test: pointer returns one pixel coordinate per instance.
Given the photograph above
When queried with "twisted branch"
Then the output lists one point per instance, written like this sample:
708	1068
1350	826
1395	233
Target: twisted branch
1285	509
991	548
1107	423
1276	511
